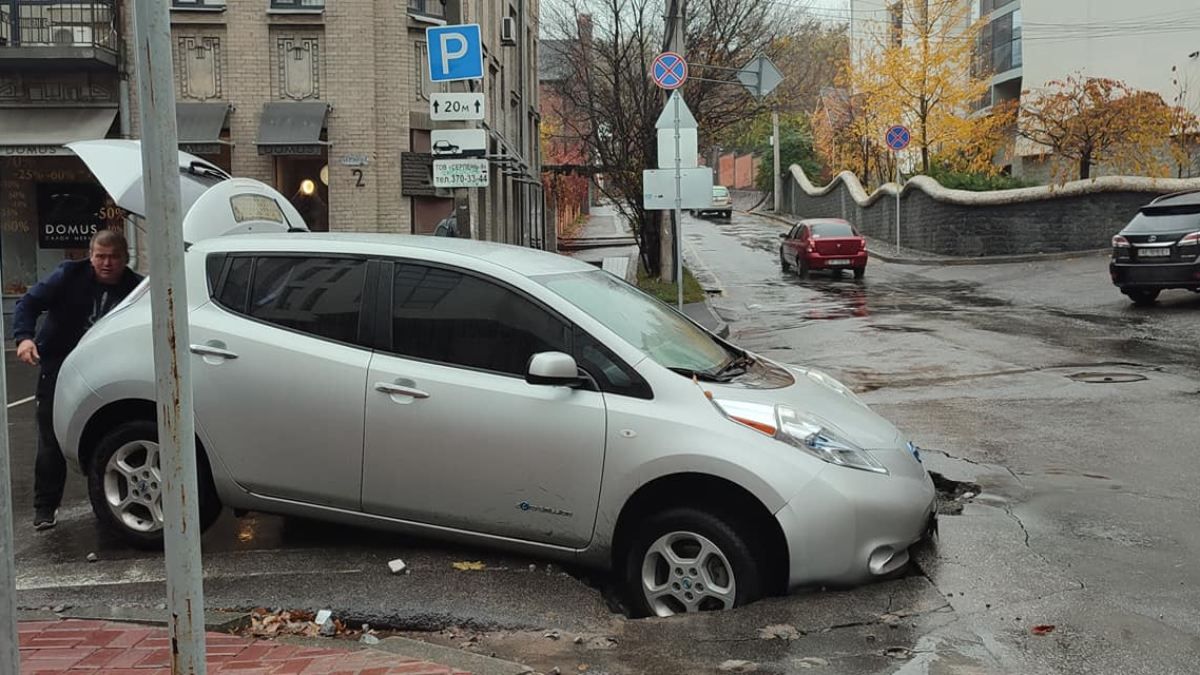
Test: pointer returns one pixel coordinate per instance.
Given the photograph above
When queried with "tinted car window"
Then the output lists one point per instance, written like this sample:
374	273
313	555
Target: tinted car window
237	283
832	230
319	296
454	318
1166	219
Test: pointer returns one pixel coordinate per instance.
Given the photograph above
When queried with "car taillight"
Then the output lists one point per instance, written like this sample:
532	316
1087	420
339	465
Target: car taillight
1120	242
1192	239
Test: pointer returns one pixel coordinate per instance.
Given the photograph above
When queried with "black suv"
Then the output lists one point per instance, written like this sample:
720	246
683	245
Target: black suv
1158	249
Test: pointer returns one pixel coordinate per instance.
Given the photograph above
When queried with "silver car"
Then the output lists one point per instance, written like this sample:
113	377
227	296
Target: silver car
496	395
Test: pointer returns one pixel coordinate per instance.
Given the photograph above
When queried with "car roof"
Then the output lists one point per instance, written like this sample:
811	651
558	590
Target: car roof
525	261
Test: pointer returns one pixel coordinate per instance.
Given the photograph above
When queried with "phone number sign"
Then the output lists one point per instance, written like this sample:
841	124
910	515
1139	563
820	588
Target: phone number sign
460	173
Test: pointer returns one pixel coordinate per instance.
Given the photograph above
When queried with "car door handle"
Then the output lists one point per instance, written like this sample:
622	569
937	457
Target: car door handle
209	350
400	390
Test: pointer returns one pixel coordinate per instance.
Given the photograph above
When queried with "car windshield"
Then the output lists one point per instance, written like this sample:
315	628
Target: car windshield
720	192
1166	219
657	330
832	230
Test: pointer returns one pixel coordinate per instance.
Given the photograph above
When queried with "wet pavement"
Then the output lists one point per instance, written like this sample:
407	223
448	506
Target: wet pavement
1068	415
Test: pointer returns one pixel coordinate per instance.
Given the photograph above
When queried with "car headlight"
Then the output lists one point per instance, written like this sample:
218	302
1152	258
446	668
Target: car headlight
801	430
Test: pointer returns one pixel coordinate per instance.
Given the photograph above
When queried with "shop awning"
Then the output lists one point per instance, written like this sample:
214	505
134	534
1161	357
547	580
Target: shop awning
39	131
292	128
200	126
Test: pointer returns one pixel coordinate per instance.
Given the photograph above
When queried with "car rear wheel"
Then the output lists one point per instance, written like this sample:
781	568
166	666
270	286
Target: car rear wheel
783	263
802	267
1142	297
125	485
860	272
687	560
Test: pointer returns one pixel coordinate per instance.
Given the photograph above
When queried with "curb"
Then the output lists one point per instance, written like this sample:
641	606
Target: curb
215	621
961	261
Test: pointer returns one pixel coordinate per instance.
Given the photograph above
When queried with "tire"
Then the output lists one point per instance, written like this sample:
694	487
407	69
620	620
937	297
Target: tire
860	272
140	526
723	554
783	263
1142	297
802	267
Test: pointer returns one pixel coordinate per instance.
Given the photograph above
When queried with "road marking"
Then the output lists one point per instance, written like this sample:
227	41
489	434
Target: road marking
21	402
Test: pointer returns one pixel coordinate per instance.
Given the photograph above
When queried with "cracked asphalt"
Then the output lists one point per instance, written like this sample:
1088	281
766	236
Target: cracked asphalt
1076	498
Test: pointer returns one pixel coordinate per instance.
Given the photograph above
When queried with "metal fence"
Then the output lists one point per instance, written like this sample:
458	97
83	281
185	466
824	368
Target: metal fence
55	23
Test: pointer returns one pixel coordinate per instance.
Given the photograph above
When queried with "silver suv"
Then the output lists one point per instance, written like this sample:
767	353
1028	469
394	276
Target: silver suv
496	395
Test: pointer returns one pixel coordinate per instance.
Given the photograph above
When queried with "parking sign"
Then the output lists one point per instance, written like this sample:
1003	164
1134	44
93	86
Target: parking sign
455	52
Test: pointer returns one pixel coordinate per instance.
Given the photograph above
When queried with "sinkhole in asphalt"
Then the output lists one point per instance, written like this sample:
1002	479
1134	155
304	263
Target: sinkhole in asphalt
1106	378
953	494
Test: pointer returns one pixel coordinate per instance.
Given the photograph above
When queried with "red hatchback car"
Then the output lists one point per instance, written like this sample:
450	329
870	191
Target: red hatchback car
824	244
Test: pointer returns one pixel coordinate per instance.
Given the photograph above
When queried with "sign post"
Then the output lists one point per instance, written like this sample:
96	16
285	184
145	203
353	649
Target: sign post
455	54
10	655
898	138
172	362
670	71
760	77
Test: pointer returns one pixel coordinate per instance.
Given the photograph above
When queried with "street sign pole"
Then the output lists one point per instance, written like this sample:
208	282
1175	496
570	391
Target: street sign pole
897	138
10	655
897	204
678	208
778	184
172	362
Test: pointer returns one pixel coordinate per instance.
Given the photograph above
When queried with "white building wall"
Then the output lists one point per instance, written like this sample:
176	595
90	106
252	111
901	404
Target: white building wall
1136	42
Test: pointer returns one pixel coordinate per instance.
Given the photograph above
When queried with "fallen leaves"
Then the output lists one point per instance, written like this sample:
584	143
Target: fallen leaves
464	566
779	631
265	623
1043	629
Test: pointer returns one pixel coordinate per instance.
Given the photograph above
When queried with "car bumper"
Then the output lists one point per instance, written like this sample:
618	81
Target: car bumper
817	261
851	526
1150	275
74	404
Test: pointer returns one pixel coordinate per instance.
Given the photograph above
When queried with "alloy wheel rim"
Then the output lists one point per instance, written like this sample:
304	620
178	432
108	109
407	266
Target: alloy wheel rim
133	486
685	572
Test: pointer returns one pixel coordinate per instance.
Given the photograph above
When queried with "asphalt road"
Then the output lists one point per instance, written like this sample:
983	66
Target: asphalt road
1082	517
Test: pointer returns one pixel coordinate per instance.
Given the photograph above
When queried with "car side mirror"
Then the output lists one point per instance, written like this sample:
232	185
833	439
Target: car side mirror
783	236
553	369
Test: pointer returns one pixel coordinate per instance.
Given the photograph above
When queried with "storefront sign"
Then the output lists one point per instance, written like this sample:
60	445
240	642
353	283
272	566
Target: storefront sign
33	151
294	149
70	213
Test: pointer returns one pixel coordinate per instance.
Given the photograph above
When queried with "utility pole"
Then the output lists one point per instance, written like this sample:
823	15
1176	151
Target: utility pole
672	268
10	655
172	360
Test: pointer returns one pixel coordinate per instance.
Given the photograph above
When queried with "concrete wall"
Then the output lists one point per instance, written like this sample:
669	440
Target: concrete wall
1077	216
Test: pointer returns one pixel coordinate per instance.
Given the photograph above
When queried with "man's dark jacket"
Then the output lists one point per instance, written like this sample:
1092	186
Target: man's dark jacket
72	299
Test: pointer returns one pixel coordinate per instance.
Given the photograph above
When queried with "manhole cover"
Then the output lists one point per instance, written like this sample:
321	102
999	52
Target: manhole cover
1106	378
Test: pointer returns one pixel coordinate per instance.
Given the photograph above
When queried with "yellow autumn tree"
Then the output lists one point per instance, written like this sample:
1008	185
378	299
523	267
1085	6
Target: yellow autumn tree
922	70
1083	122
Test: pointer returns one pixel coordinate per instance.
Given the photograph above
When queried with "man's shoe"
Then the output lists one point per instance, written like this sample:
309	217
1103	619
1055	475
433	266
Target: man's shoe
44	518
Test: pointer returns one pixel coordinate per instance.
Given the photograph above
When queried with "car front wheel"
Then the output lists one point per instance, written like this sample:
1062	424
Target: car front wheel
125	485
687	560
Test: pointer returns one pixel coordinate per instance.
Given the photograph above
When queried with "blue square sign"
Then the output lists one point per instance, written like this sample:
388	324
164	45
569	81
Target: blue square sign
455	52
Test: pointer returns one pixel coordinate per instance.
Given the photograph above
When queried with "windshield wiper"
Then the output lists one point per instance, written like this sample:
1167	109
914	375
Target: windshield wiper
706	375
734	367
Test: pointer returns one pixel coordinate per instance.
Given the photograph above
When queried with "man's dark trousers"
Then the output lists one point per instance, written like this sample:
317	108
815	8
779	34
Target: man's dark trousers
50	471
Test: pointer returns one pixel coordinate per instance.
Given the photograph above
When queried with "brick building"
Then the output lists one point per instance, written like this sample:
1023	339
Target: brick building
327	100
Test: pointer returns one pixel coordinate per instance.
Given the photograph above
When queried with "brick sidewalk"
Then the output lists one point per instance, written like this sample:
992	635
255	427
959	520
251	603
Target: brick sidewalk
73	647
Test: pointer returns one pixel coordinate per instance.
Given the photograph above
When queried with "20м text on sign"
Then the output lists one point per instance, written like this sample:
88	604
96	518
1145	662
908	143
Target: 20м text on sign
455	52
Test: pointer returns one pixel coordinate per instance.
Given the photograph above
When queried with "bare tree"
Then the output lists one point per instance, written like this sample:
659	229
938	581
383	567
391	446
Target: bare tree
609	101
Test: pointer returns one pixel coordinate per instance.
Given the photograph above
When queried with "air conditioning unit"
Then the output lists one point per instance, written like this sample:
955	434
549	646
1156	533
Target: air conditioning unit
508	31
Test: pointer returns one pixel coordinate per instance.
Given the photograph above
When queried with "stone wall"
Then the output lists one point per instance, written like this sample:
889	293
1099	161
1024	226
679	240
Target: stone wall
1076	216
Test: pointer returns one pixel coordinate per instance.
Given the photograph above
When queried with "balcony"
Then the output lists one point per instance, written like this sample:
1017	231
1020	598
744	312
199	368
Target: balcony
58	34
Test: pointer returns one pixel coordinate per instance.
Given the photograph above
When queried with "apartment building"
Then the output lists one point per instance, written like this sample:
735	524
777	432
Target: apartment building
1028	43
327	100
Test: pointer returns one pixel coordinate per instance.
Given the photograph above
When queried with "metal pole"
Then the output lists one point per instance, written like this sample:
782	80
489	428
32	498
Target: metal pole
897	203
678	207
778	188
168	297
10	654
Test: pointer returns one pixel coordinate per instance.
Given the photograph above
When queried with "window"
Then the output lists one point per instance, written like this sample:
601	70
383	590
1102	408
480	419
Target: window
318	296
236	284
305	5
198	4
453	318
422	86
612	374
428	7
833	230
